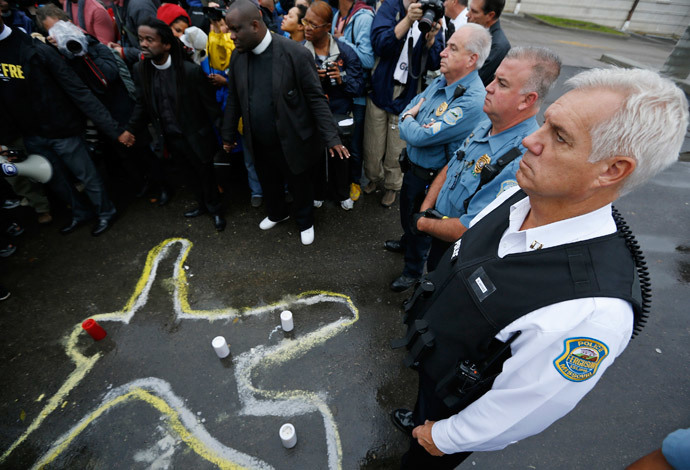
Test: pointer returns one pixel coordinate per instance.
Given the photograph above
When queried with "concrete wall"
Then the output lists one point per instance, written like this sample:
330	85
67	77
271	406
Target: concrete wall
663	17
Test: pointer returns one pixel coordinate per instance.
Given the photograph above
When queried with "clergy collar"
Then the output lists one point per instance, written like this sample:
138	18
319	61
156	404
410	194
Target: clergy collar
263	45
5	33
166	65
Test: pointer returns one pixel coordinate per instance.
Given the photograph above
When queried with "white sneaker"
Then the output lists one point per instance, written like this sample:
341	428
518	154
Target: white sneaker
318	204
268	224
307	236
347	204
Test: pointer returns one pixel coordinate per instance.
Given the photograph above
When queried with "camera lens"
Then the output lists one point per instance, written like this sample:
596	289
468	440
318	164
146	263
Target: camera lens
426	20
74	46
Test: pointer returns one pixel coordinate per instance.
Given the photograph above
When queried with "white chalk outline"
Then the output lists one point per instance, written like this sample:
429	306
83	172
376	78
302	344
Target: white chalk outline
273	403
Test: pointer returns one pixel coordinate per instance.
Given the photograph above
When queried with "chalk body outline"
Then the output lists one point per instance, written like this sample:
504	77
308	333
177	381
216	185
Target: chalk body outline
158	393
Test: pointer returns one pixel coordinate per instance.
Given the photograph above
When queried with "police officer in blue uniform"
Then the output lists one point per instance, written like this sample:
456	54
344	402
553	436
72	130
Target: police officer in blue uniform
434	125
486	163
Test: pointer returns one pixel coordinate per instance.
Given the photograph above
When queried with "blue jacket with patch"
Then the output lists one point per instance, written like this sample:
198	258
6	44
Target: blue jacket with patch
388	48
450	120
462	177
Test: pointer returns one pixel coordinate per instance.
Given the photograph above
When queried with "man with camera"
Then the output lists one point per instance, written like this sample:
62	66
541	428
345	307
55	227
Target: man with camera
45	102
485	165
434	125
407	38
544	291
486	13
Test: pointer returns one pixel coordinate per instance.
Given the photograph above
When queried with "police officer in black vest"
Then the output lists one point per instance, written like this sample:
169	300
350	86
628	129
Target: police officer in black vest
525	312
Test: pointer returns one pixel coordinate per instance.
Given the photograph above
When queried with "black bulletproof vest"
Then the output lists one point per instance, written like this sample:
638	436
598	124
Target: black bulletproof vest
457	310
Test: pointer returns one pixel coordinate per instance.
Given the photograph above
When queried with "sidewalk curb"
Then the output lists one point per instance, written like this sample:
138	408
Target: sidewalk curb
623	34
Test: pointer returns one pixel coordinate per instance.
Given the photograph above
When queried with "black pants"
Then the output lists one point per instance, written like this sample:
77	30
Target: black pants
416	246
430	407
199	173
273	172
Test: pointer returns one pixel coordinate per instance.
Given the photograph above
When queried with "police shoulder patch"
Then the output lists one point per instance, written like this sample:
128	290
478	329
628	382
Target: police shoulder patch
435	127
452	116
506	185
581	358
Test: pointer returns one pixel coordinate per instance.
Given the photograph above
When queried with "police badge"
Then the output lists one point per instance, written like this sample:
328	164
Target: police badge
581	358
483	160
441	108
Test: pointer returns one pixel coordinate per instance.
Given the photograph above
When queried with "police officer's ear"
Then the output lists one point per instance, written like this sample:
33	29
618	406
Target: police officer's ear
528	100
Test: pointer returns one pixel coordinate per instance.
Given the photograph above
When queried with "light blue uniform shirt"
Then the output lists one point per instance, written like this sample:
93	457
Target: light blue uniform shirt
426	147
462	178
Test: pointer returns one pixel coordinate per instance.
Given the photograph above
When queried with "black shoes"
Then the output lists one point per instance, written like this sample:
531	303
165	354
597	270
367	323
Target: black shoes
219	222
14	230
7	250
164	197
394	246
402	419
195	212
72	226
101	227
402	283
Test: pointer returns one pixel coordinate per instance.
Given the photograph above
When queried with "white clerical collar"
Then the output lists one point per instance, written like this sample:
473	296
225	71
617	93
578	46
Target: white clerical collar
166	65
263	45
5	33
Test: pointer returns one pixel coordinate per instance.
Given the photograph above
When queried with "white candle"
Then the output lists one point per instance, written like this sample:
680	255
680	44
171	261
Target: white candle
221	346
288	435
286	320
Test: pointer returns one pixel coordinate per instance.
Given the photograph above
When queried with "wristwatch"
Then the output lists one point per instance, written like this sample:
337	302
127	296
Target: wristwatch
405	115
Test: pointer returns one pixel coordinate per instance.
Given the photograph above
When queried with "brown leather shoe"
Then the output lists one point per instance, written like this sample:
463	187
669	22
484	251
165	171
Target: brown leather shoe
388	198
369	188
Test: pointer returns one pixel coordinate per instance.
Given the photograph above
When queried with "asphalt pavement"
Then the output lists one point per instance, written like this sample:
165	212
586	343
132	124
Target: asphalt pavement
153	394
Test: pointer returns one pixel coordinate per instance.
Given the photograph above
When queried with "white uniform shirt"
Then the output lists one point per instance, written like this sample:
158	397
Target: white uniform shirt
531	393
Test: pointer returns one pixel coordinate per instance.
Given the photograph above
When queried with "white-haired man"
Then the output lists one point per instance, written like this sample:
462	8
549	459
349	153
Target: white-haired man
544	280
434	124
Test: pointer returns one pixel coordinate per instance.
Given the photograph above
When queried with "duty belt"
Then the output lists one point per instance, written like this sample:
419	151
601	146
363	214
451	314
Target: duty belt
423	173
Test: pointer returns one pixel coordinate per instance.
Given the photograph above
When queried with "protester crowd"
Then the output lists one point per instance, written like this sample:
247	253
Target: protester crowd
76	79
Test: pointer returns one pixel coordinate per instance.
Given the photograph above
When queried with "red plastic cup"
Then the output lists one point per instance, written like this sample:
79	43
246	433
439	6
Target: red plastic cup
94	329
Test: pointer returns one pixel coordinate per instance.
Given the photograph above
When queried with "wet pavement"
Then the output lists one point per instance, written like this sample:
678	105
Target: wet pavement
153	394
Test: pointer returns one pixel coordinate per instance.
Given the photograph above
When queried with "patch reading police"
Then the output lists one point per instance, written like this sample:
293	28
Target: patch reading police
581	358
452	116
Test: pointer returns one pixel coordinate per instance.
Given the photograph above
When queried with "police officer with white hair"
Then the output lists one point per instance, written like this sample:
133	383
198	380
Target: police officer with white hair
525	313
434	125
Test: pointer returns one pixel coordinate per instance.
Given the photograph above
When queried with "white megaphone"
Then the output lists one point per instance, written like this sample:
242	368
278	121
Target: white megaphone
35	167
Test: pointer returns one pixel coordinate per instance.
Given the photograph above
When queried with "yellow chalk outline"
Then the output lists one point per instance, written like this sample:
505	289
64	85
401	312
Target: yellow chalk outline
162	406
83	364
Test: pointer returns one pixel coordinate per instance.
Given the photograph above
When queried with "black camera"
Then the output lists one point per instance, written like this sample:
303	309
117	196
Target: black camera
432	11
328	65
214	14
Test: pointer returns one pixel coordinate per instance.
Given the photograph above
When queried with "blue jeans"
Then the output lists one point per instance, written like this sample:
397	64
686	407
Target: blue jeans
70	154
252	177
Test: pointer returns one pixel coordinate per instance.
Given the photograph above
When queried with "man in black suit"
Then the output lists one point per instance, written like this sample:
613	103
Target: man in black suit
176	95
289	124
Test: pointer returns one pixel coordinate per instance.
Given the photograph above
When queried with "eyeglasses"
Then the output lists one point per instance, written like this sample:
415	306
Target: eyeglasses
310	25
